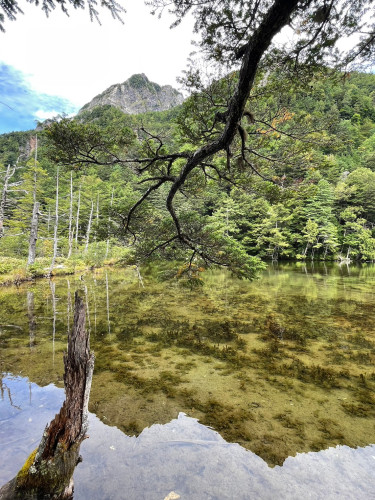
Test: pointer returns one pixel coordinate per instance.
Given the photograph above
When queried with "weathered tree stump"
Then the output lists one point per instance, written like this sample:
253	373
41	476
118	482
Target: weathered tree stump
48	472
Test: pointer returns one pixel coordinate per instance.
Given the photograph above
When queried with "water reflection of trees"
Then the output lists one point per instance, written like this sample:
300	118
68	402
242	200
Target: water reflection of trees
155	342
4	389
31	316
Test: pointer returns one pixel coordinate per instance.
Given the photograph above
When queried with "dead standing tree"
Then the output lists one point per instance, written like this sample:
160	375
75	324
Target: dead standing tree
8	188
48	472
8	174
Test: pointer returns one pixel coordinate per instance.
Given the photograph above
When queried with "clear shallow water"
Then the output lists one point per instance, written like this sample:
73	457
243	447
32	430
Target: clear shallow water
282	367
183	456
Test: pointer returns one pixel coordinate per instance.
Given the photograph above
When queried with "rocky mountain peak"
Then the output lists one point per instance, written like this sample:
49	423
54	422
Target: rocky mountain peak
137	95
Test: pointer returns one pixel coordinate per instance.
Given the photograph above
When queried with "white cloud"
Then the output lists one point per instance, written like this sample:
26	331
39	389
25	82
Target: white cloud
76	59
44	115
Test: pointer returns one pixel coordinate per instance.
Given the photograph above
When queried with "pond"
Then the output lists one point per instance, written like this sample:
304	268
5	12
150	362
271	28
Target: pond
226	390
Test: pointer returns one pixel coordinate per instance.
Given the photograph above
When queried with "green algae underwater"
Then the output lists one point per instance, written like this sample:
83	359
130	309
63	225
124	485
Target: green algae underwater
282	365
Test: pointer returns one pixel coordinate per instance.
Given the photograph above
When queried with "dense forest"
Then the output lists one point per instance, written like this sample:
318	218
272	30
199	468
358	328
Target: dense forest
304	190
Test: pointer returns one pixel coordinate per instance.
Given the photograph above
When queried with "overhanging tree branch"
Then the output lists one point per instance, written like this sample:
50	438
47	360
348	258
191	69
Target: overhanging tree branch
230	29
277	16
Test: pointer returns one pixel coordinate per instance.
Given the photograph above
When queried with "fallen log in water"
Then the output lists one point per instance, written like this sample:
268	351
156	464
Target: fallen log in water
48	472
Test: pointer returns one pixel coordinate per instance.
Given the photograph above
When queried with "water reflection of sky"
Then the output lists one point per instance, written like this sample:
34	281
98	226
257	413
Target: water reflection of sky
182	456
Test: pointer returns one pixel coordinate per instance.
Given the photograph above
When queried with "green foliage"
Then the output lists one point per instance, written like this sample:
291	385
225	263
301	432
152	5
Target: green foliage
77	143
13	145
312	142
140	81
9	263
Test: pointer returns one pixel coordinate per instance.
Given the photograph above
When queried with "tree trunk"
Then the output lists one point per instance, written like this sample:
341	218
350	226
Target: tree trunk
109	224
35	215
33	234
77	216
89	227
97	212
275	254
55	238
48	472
48	221
139	276
8	174
96	224
71	230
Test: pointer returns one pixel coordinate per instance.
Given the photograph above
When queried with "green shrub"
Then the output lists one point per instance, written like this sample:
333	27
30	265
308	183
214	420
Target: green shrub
8	264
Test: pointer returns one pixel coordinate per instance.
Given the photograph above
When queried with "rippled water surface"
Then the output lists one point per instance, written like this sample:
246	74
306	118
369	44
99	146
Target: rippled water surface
280	367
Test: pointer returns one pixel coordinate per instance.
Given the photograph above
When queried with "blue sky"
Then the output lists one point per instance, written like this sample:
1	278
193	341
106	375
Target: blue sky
21	106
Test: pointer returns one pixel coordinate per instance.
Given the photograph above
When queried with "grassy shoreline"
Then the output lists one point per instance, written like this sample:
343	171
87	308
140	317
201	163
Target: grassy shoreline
14	271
